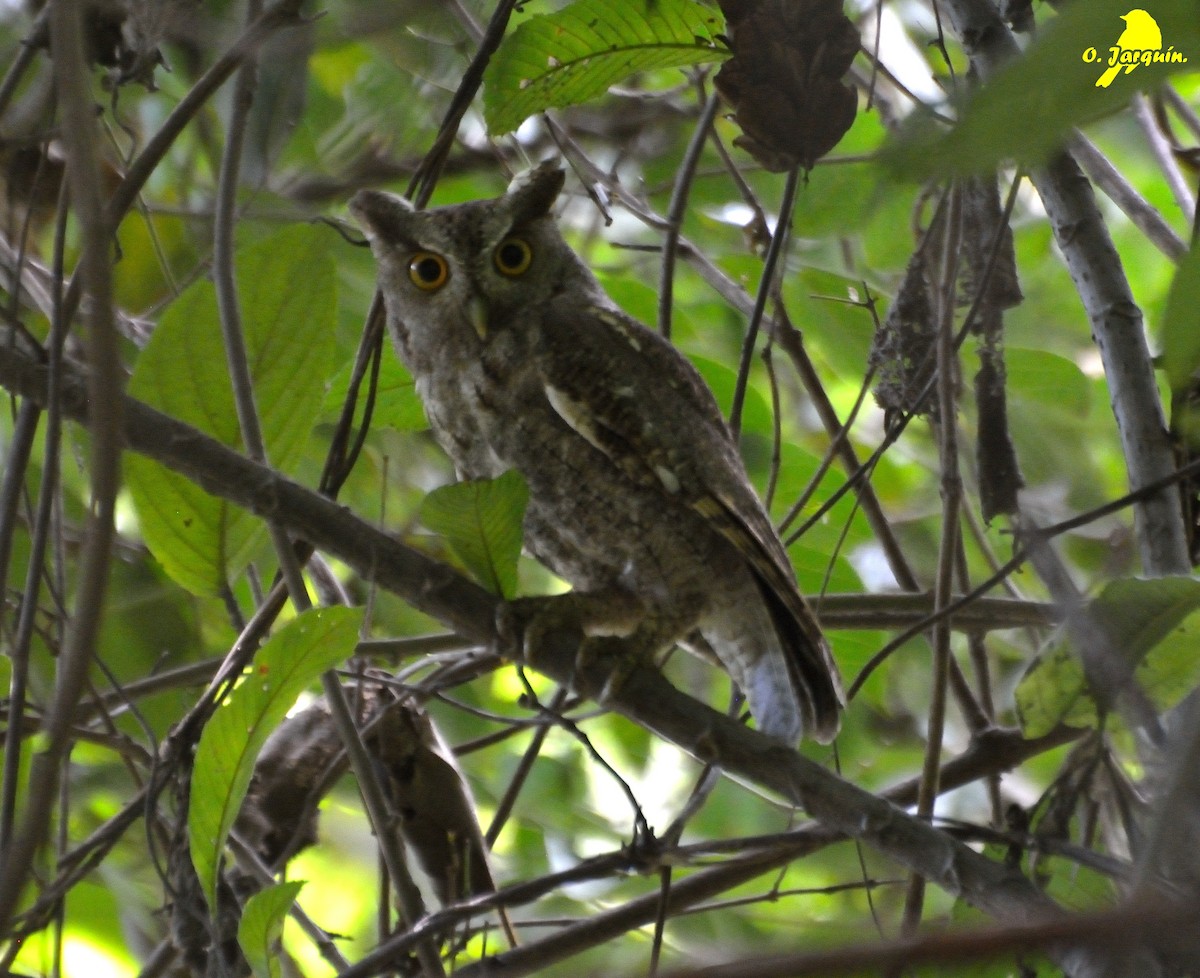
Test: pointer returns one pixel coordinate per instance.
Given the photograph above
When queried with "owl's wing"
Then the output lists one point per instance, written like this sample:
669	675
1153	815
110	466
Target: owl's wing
636	398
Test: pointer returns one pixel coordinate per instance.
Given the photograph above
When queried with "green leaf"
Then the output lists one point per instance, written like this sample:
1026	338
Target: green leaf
1049	400
1047	382
1054	691
1181	324
579	52
287	293
262	924
722	381
1027	110
1171	670
481	522
397	404
229	745
1077	888
1137	614
1152	623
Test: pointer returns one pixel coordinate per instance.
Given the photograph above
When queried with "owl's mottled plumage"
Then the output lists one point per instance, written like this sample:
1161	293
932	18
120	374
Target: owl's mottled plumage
636	489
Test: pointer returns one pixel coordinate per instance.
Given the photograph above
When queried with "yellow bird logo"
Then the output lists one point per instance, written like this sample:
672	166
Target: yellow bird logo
1141	34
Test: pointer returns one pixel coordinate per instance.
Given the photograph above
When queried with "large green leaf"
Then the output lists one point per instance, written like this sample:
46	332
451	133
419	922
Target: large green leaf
1049	400
577	53
1138	614
229	745
397	404
1028	109
722	381
1054	691
1181	326
481	522
287	293
261	925
1152	623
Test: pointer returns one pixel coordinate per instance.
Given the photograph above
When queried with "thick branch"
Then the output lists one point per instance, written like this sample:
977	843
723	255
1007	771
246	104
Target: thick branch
376	555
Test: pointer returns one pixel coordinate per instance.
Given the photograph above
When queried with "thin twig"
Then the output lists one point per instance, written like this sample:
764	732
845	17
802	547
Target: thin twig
252	436
1160	146
16	467
228	307
524	768
1122	193
765	290
951	483
382	819
30	45
35	564
420	188
677	208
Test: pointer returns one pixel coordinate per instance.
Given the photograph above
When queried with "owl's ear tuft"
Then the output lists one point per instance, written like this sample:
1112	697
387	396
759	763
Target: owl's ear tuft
381	215
533	192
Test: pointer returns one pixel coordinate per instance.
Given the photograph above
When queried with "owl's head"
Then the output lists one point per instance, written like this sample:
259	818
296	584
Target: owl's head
475	265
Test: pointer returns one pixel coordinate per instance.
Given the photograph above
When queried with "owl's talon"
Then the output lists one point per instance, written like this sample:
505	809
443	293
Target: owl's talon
622	664
529	629
512	618
551	635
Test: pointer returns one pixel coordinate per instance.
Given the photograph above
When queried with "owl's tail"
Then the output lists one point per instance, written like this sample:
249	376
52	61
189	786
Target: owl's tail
812	673
780	661
774	701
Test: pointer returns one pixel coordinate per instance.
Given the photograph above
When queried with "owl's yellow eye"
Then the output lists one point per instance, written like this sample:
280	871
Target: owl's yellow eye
513	256
428	271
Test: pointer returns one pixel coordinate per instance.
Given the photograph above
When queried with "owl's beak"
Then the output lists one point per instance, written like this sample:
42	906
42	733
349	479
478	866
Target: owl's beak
477	312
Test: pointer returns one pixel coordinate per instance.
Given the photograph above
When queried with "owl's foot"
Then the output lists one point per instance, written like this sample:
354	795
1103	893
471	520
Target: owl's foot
529	629
587	641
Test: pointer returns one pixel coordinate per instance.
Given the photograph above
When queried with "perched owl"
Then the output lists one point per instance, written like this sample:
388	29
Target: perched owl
637	494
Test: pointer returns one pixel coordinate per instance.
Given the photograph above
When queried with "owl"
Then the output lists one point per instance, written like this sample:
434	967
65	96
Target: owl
637	494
